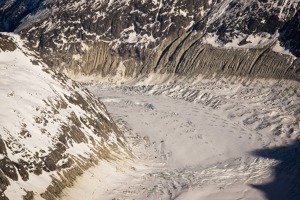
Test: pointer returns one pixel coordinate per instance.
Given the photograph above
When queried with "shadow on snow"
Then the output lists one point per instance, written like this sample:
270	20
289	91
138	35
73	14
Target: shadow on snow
286	182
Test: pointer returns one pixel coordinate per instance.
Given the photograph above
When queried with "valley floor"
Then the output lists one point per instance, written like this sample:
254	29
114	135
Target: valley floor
203	141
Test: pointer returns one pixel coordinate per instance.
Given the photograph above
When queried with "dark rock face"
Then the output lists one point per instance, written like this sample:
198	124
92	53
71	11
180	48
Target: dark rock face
290	34
251	17
6	43
8	168
2	147
12	12
22	170
4	182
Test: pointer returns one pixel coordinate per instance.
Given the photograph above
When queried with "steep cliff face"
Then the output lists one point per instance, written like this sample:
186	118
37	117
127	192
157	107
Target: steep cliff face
52	129
290	34
13	11
255	38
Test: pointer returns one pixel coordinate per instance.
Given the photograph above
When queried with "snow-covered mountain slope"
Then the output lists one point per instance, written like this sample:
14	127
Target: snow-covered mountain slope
134	37
52	129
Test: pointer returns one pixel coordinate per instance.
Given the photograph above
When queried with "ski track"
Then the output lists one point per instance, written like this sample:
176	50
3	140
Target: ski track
195	142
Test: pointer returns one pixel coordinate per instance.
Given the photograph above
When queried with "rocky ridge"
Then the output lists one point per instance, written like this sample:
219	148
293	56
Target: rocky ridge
131	38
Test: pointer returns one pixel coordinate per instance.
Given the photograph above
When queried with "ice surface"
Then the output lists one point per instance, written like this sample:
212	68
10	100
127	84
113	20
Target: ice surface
196	138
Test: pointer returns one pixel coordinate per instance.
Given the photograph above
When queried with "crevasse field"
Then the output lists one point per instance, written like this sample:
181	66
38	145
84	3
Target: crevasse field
200	139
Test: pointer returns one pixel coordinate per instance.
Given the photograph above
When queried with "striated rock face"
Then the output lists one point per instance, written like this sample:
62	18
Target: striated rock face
131	38
207	60
52	129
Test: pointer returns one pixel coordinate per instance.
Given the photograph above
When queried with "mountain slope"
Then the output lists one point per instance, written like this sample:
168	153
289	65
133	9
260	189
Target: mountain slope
52	129
132	38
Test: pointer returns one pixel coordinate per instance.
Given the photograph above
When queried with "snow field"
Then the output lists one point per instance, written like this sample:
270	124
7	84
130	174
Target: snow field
196	140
